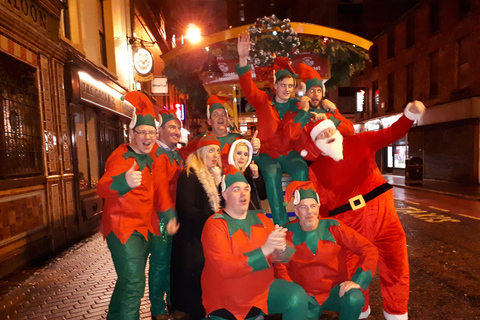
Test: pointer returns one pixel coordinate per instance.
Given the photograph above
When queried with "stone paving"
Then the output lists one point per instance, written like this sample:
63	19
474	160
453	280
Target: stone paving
77	284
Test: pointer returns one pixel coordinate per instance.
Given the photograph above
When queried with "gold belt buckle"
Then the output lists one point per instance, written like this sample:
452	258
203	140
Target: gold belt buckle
357	202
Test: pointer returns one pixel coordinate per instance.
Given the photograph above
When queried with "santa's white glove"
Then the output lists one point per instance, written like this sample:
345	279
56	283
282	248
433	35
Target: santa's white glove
414	110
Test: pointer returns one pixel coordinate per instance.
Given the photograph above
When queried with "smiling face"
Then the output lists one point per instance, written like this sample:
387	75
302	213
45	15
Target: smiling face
219	122
330	142
143	139
284	89
315	94
169	133
241	156
307	213
212	155
237	198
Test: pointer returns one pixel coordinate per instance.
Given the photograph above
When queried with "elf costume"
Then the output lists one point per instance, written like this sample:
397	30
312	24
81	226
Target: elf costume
319	263
353	190
278	124
166	168
213	103
238	281
129	217
311	78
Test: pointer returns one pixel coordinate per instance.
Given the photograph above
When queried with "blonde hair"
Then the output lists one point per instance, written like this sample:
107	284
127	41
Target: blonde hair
235	150
196	161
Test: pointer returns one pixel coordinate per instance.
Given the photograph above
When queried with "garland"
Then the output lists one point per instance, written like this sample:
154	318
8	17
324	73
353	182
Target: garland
271	37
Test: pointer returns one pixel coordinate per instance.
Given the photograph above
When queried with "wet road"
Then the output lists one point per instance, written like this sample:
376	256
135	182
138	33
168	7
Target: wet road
443	238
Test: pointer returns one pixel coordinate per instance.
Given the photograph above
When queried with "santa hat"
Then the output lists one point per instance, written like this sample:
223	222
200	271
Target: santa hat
310	77
215	102
231	153
300	190
207	140
314	128
144	112
166	115
230	176
281	67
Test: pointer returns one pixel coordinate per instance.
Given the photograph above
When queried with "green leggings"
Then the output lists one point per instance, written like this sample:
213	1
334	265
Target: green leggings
129	260
160	248
272	171
350	305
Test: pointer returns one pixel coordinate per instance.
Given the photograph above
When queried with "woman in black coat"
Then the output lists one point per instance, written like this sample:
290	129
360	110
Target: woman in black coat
240	156
197	199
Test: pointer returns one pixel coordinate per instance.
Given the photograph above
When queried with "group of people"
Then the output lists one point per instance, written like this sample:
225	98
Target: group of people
195	212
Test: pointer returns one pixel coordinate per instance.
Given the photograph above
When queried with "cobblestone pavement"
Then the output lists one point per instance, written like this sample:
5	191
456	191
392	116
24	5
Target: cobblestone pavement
76	284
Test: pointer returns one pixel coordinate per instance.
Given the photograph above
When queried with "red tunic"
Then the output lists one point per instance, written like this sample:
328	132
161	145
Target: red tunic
319	271
236	275
126	209
274	129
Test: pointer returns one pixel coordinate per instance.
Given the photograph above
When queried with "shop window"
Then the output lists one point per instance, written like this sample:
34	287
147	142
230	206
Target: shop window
86	147
20	131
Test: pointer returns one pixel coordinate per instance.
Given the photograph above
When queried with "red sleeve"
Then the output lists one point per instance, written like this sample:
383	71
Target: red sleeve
116	164
161	181
382	138
346	126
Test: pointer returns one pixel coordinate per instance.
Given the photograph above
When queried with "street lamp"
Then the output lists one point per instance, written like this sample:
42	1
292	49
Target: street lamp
193	33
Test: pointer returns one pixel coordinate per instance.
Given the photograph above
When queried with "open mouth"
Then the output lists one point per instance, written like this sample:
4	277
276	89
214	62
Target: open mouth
331	141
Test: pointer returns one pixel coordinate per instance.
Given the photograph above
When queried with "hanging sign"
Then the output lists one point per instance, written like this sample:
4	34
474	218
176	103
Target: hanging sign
143	63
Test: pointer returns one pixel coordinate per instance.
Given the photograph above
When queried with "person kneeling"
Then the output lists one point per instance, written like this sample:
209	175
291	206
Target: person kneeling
239	246
319	263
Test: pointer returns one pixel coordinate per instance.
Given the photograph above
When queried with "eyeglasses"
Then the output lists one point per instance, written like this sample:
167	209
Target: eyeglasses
143	134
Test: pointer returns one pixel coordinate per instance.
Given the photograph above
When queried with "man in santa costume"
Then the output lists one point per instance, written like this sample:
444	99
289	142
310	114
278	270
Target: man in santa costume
313	90
129	218
239	246
217	118
166	169
352	190
280	120
319	263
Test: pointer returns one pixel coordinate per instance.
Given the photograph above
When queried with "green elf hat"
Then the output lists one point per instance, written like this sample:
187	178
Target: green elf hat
207	140
230	176
300	190
144	112
166	116
215	102
310	77
281	67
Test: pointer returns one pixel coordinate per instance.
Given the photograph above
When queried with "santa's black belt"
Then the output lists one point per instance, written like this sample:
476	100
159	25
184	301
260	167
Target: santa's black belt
359	201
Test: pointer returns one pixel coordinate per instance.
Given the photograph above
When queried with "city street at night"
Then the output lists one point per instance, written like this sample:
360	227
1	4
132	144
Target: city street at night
442	234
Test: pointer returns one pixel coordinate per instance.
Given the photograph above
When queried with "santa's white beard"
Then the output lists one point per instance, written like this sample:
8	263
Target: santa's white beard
332	147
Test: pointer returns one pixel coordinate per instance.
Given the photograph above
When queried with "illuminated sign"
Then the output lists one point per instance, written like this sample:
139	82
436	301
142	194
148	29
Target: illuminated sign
143	61
180	111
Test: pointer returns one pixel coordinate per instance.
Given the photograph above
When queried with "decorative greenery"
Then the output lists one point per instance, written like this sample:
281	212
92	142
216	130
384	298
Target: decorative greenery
345	58
271	37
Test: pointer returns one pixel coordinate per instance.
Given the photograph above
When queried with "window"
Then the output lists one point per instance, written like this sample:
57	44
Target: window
434	66
463	62
376	97
101	33
464	8
410	81
391	44
65	18
410	36
20	132
86	147
374	55
434	16
391	92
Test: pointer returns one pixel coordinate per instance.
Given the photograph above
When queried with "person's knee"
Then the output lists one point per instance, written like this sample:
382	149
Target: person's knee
354	298
297	298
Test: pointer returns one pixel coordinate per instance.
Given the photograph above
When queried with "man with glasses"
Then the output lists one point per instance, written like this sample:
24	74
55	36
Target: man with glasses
319	263
280	120
129	218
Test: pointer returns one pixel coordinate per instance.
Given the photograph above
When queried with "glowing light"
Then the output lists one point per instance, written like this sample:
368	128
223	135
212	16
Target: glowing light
193	33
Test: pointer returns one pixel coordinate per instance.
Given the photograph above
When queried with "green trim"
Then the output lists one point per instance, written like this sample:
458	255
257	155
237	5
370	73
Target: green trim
216	106
314	82
232	178
257	260
241	70
142	159
120	184
308	193
173	155
311	238
147	120
166	216
303	117
235	224
283	72
362	278
166	117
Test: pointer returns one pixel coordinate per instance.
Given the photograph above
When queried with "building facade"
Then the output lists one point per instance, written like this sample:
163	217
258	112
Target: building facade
430	55
64	67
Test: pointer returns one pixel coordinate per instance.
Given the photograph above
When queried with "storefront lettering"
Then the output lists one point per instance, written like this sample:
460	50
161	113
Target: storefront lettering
30	11
97	95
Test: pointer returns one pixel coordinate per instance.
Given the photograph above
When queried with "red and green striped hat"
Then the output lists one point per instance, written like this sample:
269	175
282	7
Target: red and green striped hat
207	140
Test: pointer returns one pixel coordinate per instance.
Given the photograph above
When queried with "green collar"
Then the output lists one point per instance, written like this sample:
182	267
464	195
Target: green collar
235	224
282	108
173	155
142	159
311	237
